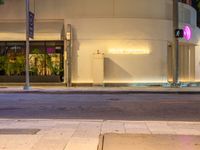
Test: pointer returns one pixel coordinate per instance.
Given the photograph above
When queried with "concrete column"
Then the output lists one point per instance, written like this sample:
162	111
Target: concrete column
69	55
175	54
65	61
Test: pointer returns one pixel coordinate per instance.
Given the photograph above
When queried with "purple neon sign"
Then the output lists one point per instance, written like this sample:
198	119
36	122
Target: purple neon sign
50	50
187	33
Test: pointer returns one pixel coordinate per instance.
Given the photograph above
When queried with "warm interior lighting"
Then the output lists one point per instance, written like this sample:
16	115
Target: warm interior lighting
129	51
121	81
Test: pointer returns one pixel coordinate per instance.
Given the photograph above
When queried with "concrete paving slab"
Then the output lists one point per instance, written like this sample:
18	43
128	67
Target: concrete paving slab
85	137
185	125
55	139
136	127
88	130
149	142
113	127
82	144
64	134
160	128
17	142
190	128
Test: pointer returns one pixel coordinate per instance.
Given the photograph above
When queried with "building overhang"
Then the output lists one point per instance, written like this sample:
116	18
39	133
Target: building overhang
15	30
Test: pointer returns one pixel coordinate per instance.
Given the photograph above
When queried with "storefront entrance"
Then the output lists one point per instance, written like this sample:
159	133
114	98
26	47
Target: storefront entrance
46	61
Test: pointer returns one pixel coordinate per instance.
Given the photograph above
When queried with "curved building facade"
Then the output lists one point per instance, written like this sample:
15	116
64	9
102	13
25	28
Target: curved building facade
134	38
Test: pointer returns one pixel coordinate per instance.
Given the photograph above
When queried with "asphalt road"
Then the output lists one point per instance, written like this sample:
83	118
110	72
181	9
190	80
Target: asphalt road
179	107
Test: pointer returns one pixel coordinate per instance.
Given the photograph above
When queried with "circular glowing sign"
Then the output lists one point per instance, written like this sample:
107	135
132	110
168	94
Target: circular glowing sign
187	33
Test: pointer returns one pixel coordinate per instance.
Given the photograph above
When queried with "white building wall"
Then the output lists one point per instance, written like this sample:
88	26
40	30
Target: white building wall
110	33
48	9
113	24
197	57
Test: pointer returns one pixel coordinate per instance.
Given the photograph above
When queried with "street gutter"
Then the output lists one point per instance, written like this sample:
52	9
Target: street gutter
38	91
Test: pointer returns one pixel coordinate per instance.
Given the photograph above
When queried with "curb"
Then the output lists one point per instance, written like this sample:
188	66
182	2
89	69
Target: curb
97	92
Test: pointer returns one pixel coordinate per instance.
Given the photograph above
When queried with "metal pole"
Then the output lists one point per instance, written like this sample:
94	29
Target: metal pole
176	45
27	84
69	55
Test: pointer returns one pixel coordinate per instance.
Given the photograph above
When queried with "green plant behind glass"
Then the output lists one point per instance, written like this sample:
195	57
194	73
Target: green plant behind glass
55	68
12	67
45	58
19	65
3	62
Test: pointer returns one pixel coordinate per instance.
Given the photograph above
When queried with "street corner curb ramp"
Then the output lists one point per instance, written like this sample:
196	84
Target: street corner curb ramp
113	141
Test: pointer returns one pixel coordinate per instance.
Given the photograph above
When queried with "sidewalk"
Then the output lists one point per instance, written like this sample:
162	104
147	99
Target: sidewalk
99	90
80	134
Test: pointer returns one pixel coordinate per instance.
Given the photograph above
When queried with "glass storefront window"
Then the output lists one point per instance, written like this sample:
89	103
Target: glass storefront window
46	58
12	60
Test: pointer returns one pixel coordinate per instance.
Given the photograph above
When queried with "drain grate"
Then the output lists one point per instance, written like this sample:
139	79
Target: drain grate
19	131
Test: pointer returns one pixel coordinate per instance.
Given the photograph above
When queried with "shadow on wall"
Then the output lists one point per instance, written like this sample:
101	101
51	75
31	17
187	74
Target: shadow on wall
113	72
